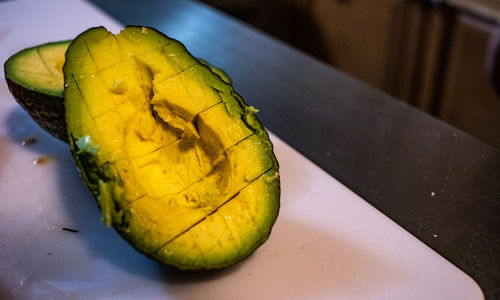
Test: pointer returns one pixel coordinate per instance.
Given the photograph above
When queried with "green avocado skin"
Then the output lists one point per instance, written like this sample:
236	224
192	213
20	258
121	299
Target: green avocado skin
98	176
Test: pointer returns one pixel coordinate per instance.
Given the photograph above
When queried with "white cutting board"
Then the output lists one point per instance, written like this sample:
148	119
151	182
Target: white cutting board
328	243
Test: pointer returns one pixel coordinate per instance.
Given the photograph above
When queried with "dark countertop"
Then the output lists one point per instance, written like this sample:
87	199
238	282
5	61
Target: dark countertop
437	182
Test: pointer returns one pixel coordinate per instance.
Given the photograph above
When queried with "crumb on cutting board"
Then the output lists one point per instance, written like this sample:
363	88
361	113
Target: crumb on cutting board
28	142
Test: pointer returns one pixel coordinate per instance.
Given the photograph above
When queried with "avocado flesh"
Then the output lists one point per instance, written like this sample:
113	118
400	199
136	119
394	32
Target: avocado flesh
39	68
178	163
34	76
35	79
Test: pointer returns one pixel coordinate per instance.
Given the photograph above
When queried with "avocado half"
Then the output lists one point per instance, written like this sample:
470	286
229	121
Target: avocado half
34	76
179	164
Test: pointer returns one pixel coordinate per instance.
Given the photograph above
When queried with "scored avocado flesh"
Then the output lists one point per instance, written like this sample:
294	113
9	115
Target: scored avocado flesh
35	79
180	166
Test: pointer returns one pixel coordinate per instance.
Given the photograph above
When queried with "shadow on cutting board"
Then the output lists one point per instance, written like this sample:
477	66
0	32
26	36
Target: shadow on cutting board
20	128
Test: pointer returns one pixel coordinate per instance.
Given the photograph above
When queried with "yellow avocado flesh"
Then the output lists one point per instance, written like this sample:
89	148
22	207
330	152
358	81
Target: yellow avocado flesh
180	166
39	68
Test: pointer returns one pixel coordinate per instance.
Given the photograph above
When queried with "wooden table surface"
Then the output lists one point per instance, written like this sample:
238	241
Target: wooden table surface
437	182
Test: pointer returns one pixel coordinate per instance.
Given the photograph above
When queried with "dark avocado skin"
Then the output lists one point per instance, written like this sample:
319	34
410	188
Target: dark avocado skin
47	110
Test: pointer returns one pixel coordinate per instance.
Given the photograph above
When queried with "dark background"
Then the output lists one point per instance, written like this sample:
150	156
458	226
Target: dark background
435	55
